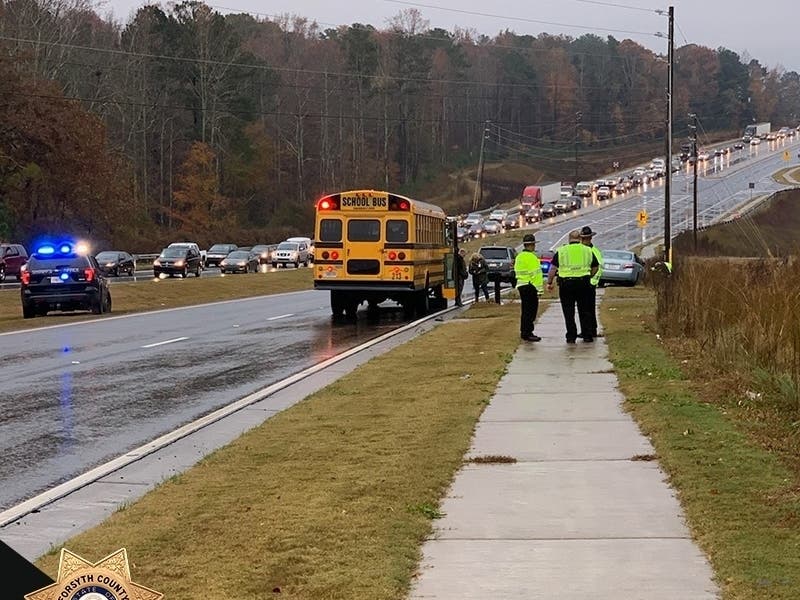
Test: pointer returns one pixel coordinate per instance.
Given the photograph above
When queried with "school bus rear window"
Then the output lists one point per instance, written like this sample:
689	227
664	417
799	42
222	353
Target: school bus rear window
396	230
363	230
330	230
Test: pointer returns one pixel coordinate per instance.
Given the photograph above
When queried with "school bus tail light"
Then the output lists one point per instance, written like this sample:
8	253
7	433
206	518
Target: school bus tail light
328	203
396	203
402	256
392	255
334	255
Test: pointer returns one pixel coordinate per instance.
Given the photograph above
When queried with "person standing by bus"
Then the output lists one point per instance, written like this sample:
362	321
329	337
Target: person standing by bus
575	265
480	275
586	240
530	283
461	275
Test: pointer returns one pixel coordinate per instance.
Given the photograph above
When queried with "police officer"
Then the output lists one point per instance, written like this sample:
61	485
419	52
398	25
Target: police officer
530	283
586	240
575	265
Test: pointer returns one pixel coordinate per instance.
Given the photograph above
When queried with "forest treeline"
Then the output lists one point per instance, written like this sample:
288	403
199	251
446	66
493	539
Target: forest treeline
186	122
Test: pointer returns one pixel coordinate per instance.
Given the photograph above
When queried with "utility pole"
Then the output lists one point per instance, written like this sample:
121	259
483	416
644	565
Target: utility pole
578	117
693	138
478	195
668	159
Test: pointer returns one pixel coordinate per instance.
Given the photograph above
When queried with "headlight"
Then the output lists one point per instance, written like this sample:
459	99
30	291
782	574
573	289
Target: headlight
178	263
263	255
109	264
156	263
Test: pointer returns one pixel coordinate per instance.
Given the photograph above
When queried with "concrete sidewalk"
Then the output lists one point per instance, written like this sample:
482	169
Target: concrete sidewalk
574	517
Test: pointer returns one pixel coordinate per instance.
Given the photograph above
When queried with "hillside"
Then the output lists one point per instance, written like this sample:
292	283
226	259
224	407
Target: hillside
769	231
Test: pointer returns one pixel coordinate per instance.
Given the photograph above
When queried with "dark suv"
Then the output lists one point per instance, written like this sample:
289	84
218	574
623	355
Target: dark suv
217	252
178	260
500	260
12	257
55	278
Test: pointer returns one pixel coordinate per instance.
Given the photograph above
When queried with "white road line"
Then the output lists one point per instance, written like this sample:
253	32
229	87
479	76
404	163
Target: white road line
280	317
180	339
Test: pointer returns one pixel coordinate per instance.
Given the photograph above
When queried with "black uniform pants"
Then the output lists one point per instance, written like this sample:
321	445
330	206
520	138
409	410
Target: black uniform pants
575	291
592	312
529	298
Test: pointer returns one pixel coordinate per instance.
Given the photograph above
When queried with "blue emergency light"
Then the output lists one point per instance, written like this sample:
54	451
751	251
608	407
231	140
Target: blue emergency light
46	250
65	249
63	276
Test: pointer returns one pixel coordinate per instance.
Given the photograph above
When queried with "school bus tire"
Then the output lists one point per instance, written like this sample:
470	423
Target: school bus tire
421	302
338	302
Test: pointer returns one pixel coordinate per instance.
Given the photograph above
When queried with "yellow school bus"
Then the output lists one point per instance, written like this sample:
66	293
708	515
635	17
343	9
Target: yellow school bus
372	246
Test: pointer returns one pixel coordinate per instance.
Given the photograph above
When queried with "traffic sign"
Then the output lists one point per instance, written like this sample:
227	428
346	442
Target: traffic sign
641	218
786	156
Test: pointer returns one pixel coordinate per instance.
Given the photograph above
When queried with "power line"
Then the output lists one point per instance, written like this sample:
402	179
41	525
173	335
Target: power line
615	5
523	19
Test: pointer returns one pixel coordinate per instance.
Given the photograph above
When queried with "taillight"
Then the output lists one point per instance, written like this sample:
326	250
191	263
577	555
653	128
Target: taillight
25	277
334	255
392	255
88	274
402	256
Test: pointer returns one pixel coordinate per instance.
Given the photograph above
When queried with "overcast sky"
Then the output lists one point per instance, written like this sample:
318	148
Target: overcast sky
768	30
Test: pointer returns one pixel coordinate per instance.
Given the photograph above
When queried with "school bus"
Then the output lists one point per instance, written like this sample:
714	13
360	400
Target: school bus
372	246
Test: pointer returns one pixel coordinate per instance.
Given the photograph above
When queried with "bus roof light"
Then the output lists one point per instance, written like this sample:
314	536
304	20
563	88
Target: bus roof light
328	203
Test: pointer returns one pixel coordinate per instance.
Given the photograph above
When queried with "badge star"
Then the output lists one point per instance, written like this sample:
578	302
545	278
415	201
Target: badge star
75	572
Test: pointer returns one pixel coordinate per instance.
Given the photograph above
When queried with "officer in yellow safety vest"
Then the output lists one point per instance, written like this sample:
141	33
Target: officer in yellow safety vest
575	265
530	283
586	240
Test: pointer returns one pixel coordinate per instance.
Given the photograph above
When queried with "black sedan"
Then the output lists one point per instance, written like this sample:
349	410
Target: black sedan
240	261
548	210
264	253
115	262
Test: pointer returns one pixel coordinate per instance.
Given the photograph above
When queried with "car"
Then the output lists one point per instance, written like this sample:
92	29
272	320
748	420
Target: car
533	215
476	230
290	253
492	227
718	152
771	137
611	182
264	252
575	202
217	252
562	205
12	257
546	259
462	234
620	188
497	215
755	141
57	277
738	146
603	193
583	189
177	260
240	261
621	267
566	191
114	262
511	220
500	261
304	240
652	174
193	246
548	210
472	219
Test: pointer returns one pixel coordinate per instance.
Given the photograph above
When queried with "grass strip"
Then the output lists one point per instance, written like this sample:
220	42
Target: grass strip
788	176
331	498
165	293
741	502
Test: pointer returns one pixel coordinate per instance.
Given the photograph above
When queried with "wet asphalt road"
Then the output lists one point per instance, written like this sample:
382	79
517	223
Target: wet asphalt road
78	395
722	183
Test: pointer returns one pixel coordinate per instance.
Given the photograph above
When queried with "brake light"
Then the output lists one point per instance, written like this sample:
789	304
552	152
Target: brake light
392	255
334	255
328	203
25	277
88	274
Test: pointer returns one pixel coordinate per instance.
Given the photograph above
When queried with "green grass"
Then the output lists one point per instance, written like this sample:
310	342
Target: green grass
166	293
742	502
331	498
